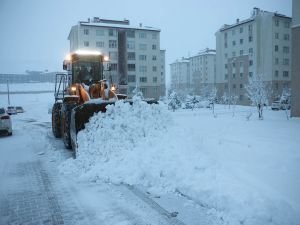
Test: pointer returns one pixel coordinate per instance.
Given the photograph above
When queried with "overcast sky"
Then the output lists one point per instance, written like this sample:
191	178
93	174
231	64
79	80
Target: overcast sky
34	32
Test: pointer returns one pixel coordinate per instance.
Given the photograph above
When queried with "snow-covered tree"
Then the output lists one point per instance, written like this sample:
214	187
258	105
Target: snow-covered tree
174	102
258	93
191	102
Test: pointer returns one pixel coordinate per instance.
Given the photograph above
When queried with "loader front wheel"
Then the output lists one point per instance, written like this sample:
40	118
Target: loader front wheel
56	120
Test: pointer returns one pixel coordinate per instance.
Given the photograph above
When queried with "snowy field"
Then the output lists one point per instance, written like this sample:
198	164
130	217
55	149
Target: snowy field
17	87
241	171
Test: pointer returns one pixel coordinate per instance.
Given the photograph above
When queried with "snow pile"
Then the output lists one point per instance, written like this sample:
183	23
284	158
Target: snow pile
241	175
112	143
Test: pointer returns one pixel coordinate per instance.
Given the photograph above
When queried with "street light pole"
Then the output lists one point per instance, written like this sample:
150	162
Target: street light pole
8	98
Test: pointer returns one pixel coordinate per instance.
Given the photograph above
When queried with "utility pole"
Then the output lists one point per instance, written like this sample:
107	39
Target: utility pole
8	99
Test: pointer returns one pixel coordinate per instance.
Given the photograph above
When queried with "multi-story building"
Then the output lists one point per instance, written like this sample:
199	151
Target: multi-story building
180	75
194	74
203	70
295	104
259	45
134	52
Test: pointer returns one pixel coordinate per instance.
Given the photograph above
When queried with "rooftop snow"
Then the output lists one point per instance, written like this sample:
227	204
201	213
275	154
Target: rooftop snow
119	26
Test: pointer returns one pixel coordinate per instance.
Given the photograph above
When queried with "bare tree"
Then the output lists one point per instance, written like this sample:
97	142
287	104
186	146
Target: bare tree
258	93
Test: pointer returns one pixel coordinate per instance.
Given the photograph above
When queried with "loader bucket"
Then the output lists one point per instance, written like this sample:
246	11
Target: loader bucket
82	113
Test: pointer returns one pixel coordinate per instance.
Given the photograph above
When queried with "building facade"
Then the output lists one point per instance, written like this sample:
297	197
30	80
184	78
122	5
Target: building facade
134	51
260	45
203	70
194	74
180	75
295	103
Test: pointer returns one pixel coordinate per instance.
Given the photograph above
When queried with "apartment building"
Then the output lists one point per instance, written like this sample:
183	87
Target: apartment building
203	70
180	75
195	73
134	52
259	45
295	104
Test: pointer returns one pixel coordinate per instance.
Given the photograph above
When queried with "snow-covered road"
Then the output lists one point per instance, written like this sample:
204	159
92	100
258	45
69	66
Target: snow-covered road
34	191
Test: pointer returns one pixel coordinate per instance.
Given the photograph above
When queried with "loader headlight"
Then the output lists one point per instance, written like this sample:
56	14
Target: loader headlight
113	88
73	88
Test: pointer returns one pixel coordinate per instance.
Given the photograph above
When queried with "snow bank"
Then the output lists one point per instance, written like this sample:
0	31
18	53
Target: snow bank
237	169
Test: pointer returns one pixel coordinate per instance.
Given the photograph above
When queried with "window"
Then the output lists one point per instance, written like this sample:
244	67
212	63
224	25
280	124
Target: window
154	68
285	74
287	24
153	47
225	35
100	32
226	55
131	55
112	43
286	49
143	69
226	76
86	44
241	41
241	75
225	66
113	55
233	54
250	39
276	48
143	79
286	61
286	37
86	31
241	97
154	57
111	32
276	35
225	44
142	57
130	34
250	62
226	86
131	67
234	86
276	73
154	79
233	65
250	74
114	66
142	35
130	45
143	47
277	23
250	50
241	29
233	43
241	86
241	64
131	78
241	52
99	44
154	35
250	28
276	61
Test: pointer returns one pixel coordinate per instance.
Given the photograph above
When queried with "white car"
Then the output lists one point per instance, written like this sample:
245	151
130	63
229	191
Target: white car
11	110
19	109
5	123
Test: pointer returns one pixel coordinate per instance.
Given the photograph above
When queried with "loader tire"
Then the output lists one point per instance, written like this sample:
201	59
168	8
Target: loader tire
66	124
56	120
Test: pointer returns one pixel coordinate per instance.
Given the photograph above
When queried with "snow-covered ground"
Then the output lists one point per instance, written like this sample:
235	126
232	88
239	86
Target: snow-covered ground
17	87
238	171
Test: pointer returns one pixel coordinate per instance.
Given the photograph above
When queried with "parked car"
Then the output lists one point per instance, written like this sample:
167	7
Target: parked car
5	123
276	105
19	109
11	110
281	104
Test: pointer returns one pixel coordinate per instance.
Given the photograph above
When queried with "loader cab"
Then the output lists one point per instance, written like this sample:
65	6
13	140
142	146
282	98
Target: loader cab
85	67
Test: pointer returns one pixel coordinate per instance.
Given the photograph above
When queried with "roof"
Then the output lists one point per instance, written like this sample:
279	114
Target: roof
108	25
